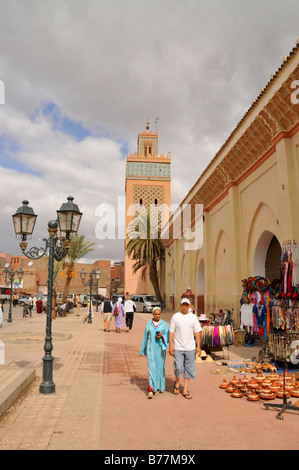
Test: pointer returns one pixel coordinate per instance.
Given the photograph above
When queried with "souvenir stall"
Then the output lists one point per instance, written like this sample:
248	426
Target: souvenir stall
283	341
256	305
270	309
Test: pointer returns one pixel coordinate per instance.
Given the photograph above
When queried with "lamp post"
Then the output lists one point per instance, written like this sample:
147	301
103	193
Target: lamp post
58	244
93	280
9	279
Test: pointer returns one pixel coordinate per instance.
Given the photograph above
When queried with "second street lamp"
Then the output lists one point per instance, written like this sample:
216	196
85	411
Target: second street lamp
68	220
9	280
93	281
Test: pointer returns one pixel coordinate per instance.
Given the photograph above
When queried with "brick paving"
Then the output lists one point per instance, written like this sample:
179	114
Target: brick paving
101	401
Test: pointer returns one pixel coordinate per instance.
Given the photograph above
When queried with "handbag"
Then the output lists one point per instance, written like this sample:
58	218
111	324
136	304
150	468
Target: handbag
116	312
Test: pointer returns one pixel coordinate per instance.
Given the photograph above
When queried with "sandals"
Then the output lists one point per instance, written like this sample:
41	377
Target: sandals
175	389
187	396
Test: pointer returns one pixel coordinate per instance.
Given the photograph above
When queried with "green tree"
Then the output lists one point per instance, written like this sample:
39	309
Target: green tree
145	248
79	248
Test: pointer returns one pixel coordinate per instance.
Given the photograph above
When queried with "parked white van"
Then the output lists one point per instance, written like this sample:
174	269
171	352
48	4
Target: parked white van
145	303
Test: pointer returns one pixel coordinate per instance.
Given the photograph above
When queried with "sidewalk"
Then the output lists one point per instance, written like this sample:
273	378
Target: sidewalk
101	401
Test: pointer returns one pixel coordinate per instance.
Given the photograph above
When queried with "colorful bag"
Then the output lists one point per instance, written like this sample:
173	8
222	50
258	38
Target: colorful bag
116	312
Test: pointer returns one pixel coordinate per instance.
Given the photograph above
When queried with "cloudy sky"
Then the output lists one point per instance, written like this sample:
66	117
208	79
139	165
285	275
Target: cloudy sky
81	78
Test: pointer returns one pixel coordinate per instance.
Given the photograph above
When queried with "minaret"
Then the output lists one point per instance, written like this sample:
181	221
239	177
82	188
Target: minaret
148	182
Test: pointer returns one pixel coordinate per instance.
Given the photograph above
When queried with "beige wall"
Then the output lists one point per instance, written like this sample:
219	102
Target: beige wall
238	231
250	193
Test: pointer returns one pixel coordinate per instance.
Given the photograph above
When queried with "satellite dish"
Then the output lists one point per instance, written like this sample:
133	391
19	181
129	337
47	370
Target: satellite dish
30	263
7	265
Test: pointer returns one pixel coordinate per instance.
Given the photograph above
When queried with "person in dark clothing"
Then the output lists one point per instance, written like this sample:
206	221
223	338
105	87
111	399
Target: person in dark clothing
107	313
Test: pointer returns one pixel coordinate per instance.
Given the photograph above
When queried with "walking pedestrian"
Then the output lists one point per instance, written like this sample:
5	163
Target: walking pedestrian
184	326
107	313
30	305
78	305
118	313
154	346
130	308
1	313
39	305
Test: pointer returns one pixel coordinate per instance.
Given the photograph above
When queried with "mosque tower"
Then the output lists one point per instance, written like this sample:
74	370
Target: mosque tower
148	183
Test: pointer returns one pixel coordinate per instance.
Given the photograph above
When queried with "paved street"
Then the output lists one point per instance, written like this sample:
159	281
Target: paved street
101	396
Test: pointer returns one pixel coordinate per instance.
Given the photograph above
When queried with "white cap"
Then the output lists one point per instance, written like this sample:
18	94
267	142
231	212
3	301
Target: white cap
185	301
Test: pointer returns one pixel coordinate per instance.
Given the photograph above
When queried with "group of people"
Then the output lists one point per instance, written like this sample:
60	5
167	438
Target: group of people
183	341
121	312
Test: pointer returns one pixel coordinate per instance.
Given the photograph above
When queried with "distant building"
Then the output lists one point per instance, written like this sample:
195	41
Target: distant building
36	275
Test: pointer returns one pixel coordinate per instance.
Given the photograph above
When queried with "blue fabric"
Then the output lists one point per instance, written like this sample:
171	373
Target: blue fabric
155	350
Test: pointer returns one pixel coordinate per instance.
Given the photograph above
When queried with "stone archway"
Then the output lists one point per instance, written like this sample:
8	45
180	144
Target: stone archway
266	260
264	226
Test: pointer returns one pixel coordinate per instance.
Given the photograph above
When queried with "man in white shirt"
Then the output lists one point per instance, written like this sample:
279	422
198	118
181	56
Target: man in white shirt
184	326
130	308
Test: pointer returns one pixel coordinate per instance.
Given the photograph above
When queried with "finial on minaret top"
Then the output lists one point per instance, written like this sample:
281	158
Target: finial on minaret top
147	125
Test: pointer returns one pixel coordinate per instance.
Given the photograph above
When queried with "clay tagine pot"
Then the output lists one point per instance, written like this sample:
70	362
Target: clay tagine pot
260	378
288	378
252	396
272	377
234	380
239	384
224	384
266	383
245	380
253	384
230	388
237	393
260	389
244	389
279	393
266	394
295	392
274	387
280	379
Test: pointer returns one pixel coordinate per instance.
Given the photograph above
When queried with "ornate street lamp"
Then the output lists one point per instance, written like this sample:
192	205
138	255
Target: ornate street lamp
9	279
68	220
93	281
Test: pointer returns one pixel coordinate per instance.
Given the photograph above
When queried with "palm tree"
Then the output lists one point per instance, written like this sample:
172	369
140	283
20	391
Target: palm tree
79	247
144	246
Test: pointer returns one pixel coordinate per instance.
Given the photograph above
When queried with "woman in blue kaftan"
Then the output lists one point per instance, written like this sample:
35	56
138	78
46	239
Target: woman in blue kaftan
154	345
